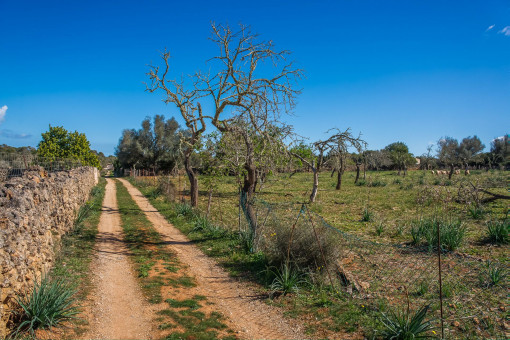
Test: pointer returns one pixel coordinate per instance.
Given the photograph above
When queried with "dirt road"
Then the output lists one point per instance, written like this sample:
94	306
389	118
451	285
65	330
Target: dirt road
252	318
118	309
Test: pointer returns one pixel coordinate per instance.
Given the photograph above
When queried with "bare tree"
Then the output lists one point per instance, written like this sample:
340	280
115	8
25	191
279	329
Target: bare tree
337	145
186	100
315	161
244	96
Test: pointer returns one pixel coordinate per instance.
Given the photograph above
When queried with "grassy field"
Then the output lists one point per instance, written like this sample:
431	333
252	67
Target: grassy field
374	225
394	202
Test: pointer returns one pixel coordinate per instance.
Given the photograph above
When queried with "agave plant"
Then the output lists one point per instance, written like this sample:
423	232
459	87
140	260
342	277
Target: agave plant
49	303
287	279
403	325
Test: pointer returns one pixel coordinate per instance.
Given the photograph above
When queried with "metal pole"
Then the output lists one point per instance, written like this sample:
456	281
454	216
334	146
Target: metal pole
440	277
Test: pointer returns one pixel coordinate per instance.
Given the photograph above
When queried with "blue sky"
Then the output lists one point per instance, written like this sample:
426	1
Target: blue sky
410	71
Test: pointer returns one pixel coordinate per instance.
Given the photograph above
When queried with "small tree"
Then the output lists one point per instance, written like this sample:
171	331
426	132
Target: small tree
448	153
400	155
469	148
500	151
57	142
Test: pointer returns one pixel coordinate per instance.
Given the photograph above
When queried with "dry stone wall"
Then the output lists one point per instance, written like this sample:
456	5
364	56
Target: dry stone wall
35	211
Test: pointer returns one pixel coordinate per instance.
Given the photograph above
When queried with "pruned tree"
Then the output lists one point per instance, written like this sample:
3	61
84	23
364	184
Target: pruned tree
339	144
314	160
427	160
185	98
336	146
249	87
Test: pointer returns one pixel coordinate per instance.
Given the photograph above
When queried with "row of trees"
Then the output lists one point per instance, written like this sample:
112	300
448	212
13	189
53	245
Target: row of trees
242	96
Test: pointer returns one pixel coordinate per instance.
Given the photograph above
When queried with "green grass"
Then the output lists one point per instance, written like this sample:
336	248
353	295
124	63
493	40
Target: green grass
398	202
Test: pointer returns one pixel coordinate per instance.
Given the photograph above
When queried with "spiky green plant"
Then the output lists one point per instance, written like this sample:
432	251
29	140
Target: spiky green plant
499	231
49	303
286	279
367	215
404	325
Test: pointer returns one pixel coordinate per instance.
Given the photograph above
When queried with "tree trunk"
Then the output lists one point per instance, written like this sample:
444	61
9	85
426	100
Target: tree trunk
339	180
466	169
364	171
315	187
357	173
193	180
450	174
405	170
247	195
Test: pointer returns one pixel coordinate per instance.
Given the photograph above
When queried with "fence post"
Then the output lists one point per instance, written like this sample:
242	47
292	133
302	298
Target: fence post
440	278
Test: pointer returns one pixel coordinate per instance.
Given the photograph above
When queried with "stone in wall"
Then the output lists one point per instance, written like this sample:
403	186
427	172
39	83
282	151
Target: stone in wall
35	211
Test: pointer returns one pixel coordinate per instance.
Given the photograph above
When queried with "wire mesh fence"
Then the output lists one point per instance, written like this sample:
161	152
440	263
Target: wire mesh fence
16	164
468	300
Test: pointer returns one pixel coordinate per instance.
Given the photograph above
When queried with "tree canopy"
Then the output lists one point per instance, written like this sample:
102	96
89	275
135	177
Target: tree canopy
57	142
154	146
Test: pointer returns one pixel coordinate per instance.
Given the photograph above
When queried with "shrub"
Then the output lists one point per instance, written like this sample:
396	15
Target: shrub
498	231
361	182
48	304
402	325
376	183
305	251
167	188
451	233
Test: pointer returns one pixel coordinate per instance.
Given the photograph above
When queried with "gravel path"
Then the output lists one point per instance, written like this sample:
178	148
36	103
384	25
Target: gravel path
252	318
118	309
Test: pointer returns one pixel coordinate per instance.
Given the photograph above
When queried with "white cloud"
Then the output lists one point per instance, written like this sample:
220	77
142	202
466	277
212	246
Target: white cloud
505	31
3	110
489	28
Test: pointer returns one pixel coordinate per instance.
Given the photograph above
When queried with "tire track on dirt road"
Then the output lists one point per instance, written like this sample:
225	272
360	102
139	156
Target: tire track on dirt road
118	308
252	318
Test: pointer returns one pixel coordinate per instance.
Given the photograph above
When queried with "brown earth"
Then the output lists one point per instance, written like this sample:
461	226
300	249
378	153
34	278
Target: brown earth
117	309
248	315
